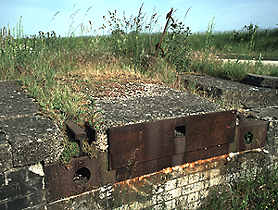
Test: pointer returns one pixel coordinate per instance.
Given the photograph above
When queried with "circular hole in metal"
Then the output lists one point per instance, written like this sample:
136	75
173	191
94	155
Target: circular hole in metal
248	137
82	176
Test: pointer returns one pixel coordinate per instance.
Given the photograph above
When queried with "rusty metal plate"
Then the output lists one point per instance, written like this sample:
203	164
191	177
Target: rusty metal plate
80	175
148	167
142	168
141	142
164	139
252	134
210	129
206	153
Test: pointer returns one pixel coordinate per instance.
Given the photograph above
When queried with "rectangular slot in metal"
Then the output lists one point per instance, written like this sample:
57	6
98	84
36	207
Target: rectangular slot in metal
180	131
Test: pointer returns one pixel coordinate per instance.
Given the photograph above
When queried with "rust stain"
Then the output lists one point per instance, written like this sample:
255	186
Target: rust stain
194	165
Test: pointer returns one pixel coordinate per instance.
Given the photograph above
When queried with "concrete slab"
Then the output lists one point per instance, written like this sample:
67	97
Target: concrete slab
264	62
32	139
261	81
14	102
25	136
266	113
235	93
255	102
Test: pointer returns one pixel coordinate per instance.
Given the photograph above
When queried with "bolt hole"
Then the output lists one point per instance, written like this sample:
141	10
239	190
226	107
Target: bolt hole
82	176
248	137
180	131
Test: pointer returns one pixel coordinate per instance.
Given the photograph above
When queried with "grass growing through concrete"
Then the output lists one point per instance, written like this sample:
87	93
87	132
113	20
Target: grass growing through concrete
64	73
60	71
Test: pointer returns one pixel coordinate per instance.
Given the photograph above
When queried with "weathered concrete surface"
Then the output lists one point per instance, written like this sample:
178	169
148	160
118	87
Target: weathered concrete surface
5	154
156	102
26	139
25	136
21	188
266	113
32	139
14	103
234	93
152	103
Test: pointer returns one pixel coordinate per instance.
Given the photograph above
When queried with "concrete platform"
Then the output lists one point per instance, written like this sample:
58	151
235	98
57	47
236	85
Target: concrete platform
237	94
26	137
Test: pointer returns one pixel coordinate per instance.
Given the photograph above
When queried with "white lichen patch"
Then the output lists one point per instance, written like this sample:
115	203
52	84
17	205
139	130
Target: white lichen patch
37	169
102	141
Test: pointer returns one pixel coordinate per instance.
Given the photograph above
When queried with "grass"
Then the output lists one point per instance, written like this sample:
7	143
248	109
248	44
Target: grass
207	62
247	43
64	74
252	192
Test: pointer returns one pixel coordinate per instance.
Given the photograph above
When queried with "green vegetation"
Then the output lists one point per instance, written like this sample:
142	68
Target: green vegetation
259	192
71	150
248	43
59	71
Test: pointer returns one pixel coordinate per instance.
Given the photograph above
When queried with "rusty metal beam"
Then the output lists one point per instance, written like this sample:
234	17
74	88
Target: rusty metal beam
210	129
144	142
147	167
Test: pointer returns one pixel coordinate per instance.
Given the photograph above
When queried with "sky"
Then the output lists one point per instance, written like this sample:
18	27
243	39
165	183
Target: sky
66	16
